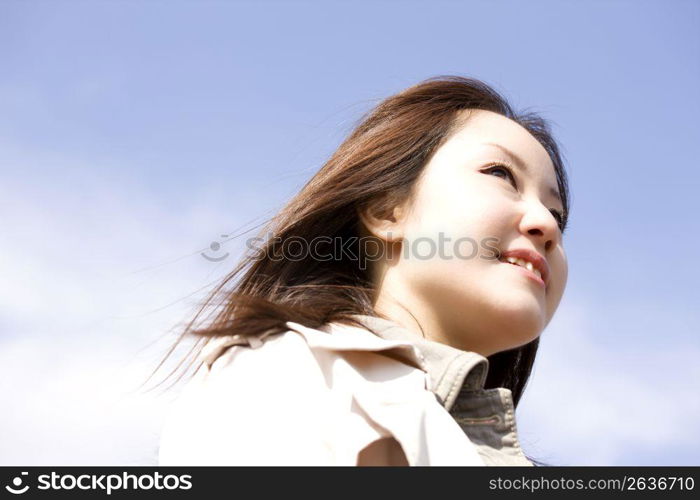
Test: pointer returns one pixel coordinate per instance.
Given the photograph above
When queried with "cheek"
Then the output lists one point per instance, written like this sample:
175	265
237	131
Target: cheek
560	268
560	275
456	212
447	240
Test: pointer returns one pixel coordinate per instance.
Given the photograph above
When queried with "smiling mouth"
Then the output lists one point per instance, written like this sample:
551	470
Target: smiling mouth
527	272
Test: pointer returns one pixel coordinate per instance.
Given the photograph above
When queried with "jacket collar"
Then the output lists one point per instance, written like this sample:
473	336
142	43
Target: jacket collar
451	370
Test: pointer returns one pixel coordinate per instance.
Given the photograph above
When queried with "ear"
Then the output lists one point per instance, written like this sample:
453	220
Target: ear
384	219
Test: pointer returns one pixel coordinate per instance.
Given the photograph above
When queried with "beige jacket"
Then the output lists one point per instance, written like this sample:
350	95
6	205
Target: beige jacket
340	395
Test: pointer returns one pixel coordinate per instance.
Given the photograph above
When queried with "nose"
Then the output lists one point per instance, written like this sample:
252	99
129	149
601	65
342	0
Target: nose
541	225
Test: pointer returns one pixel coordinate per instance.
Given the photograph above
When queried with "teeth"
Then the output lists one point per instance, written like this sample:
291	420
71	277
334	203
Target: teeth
524	263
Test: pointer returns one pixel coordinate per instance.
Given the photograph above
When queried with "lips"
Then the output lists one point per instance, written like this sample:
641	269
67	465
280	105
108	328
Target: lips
538	262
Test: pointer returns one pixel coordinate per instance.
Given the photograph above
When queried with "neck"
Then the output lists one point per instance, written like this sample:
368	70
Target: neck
396	302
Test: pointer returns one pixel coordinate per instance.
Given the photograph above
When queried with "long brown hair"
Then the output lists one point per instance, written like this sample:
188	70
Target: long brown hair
377	165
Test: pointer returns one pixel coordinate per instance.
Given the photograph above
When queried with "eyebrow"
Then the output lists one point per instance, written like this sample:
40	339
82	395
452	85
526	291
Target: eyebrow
522	165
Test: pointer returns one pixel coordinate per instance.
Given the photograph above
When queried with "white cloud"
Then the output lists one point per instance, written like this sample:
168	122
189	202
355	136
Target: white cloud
64	406
80	328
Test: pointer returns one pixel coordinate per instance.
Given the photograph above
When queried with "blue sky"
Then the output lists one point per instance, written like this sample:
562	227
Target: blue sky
134	134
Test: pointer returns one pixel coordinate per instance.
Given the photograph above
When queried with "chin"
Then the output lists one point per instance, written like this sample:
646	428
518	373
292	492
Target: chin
512	342
520	326
522	340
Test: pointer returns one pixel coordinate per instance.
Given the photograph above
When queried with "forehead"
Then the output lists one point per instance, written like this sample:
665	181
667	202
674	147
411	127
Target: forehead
477	127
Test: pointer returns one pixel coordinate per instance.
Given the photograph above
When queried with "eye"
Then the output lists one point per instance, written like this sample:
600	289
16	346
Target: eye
499	167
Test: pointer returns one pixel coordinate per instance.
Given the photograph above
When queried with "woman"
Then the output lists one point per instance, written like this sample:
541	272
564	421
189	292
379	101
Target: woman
391	313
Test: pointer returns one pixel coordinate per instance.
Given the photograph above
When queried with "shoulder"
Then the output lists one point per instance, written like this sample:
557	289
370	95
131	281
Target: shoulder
335	357
248	406
287	399
304	396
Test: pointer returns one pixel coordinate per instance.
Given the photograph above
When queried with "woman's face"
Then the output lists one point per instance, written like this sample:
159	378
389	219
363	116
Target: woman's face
464	295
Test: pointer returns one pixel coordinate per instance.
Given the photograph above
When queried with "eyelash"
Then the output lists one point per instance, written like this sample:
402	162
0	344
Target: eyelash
502	165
